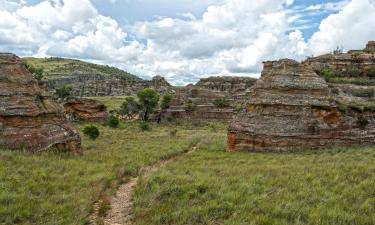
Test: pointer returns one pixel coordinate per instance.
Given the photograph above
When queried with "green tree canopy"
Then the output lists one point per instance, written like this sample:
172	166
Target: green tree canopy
130	107
148	99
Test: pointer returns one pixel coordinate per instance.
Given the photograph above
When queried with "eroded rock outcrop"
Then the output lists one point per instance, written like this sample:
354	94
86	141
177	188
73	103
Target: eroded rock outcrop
351	64
118	87
29	118
200	104
86	109
290	108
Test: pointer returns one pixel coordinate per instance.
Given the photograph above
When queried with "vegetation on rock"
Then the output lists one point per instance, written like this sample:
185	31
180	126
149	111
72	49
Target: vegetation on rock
56	67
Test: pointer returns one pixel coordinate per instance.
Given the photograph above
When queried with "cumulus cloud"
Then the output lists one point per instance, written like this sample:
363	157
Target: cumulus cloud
231	37
351	28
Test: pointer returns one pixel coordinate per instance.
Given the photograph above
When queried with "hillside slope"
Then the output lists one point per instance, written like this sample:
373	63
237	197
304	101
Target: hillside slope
56	68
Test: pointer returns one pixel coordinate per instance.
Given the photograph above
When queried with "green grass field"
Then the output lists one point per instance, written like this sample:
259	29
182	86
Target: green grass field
60	188
212	186
112	102
208	186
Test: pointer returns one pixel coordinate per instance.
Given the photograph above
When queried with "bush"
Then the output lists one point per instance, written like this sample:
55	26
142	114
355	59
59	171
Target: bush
371	72
166	101
221	102
91	131
190	106
64	92
194	93
365	93
173	132
113	121
130	107
144	126
354	72
362	122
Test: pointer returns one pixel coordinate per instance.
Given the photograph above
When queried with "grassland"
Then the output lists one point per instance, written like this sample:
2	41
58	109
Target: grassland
57	67
112	102
212	186
60	188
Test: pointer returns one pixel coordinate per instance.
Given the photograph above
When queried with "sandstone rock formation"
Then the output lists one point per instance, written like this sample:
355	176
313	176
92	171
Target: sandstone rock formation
199	104
347	63
290	108
86	109
29	118
118	87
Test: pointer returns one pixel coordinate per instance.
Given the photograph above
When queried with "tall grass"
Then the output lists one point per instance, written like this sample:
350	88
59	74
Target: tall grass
60	188
212	186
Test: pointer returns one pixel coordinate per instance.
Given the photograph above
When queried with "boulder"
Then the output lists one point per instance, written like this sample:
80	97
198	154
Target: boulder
86	109
289	109
29	118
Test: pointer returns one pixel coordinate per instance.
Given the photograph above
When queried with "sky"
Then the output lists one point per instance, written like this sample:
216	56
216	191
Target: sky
184	40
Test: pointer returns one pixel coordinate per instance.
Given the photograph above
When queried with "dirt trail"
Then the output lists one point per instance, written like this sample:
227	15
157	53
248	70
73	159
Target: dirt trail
121	204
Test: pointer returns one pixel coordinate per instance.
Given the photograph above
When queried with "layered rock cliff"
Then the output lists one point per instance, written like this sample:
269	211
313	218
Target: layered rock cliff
29	118
85	109
291	108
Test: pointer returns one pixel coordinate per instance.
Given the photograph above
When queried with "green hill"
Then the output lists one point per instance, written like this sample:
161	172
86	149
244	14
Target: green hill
60	67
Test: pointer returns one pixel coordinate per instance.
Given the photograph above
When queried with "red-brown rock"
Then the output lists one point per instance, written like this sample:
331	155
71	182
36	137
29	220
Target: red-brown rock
29	118
86	109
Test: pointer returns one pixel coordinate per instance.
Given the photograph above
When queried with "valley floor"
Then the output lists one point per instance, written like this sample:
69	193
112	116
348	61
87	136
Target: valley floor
208	186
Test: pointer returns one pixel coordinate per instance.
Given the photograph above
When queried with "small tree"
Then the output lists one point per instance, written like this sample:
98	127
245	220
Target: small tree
166	101
64	92
164	105
221	102
130	107
91	131
338	50
148	99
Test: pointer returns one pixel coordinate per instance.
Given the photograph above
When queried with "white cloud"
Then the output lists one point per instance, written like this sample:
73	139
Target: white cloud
231	37
352	27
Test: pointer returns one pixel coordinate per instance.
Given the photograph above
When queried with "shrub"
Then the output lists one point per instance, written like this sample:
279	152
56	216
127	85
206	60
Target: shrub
113	121
91	131
194	93
362	122
144	126
64	91
130	107
338	50
166	102
173	132
221	102
354	72
365	93
190	106
371	72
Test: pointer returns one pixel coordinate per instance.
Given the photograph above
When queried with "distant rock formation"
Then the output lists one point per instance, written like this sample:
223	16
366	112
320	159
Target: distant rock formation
86	109
118	87
290	108
233	85
350	64
199	104
29	118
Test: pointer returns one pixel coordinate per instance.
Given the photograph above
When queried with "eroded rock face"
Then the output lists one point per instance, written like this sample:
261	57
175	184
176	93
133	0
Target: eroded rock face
363	60
29	118
112	87
86	109
290	108
199	104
